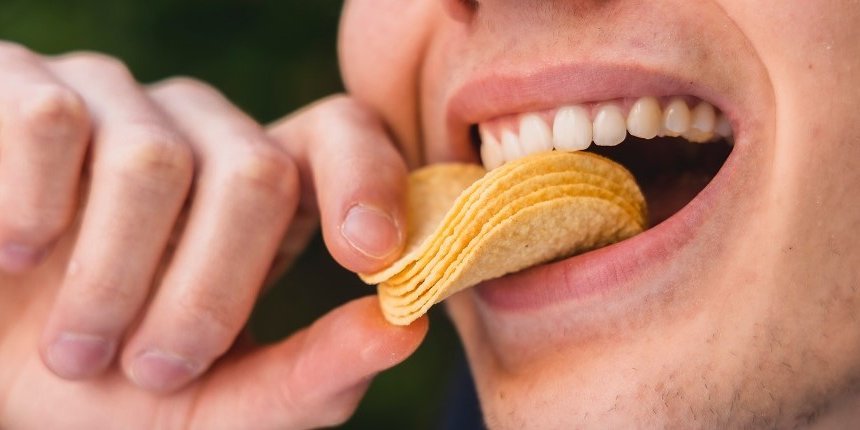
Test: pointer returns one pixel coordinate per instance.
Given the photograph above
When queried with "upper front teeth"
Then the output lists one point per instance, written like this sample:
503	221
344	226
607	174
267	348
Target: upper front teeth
644	119
574	128
535	135
571	129
609	126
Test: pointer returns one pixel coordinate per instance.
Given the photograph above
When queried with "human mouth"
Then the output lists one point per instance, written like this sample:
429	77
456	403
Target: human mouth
680	146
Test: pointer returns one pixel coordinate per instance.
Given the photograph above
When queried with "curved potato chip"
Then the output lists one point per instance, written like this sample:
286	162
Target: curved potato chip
467	226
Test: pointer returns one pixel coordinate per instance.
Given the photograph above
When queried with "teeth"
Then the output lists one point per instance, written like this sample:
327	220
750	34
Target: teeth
571	129
723	127
535	135
491	150
644	119
610	128
703	119
676	118
511	146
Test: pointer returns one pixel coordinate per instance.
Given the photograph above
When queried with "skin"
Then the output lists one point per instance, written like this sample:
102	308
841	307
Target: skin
761	333
758	333
158	243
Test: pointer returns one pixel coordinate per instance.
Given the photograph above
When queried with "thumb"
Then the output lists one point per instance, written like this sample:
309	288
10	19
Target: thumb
315	378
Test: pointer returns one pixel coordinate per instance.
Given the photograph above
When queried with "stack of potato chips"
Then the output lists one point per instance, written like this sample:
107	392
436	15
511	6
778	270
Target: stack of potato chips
467	225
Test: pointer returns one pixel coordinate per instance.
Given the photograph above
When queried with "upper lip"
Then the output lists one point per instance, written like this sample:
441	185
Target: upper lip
494	93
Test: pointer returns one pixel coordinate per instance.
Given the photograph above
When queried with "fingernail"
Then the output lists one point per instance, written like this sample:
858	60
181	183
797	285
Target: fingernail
162	371
74	355
16	257
371	231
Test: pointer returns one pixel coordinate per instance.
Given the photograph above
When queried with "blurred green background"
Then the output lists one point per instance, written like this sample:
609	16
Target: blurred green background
269	57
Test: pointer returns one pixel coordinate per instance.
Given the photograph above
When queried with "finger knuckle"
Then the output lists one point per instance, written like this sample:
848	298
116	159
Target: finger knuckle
39	220
340	102
183	86
265	168
16	51
344	106
97	63
154	157
212	318
106	290
55	112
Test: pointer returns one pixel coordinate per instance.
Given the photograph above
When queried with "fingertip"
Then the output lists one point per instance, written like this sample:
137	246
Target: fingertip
374	237
361	194
403	341
420	326
390	344
162	371
76	356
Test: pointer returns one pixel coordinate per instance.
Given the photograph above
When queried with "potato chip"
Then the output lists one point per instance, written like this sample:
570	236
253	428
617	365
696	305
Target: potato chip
467	226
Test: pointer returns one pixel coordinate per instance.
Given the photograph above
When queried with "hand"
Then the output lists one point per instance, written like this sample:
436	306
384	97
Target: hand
137	226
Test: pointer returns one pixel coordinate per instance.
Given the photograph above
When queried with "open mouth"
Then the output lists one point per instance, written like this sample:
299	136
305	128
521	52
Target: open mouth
685	139
674	146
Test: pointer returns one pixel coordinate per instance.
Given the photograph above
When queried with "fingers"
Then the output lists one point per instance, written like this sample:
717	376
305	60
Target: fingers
142	170
349	169
44	131
314	379
245	194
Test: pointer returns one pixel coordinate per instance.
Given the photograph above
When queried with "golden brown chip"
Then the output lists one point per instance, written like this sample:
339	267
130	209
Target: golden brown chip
466	226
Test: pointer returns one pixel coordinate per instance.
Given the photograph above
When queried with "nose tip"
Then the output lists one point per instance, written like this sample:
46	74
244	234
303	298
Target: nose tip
460	10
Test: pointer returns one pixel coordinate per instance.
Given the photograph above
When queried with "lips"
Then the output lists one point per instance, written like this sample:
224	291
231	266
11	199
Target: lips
497	94
681	177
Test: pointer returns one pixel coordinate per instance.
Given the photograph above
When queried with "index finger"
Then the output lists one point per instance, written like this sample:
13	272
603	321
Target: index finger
353	175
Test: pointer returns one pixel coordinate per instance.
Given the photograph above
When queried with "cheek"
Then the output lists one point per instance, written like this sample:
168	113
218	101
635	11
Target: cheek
381	47
814	72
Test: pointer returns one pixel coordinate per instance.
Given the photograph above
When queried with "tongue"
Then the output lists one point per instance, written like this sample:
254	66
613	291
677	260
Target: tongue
667	194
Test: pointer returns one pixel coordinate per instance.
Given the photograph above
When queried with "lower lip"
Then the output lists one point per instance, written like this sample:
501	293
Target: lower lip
610	270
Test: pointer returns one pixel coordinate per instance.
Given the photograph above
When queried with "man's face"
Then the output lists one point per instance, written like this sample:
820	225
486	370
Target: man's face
739	309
